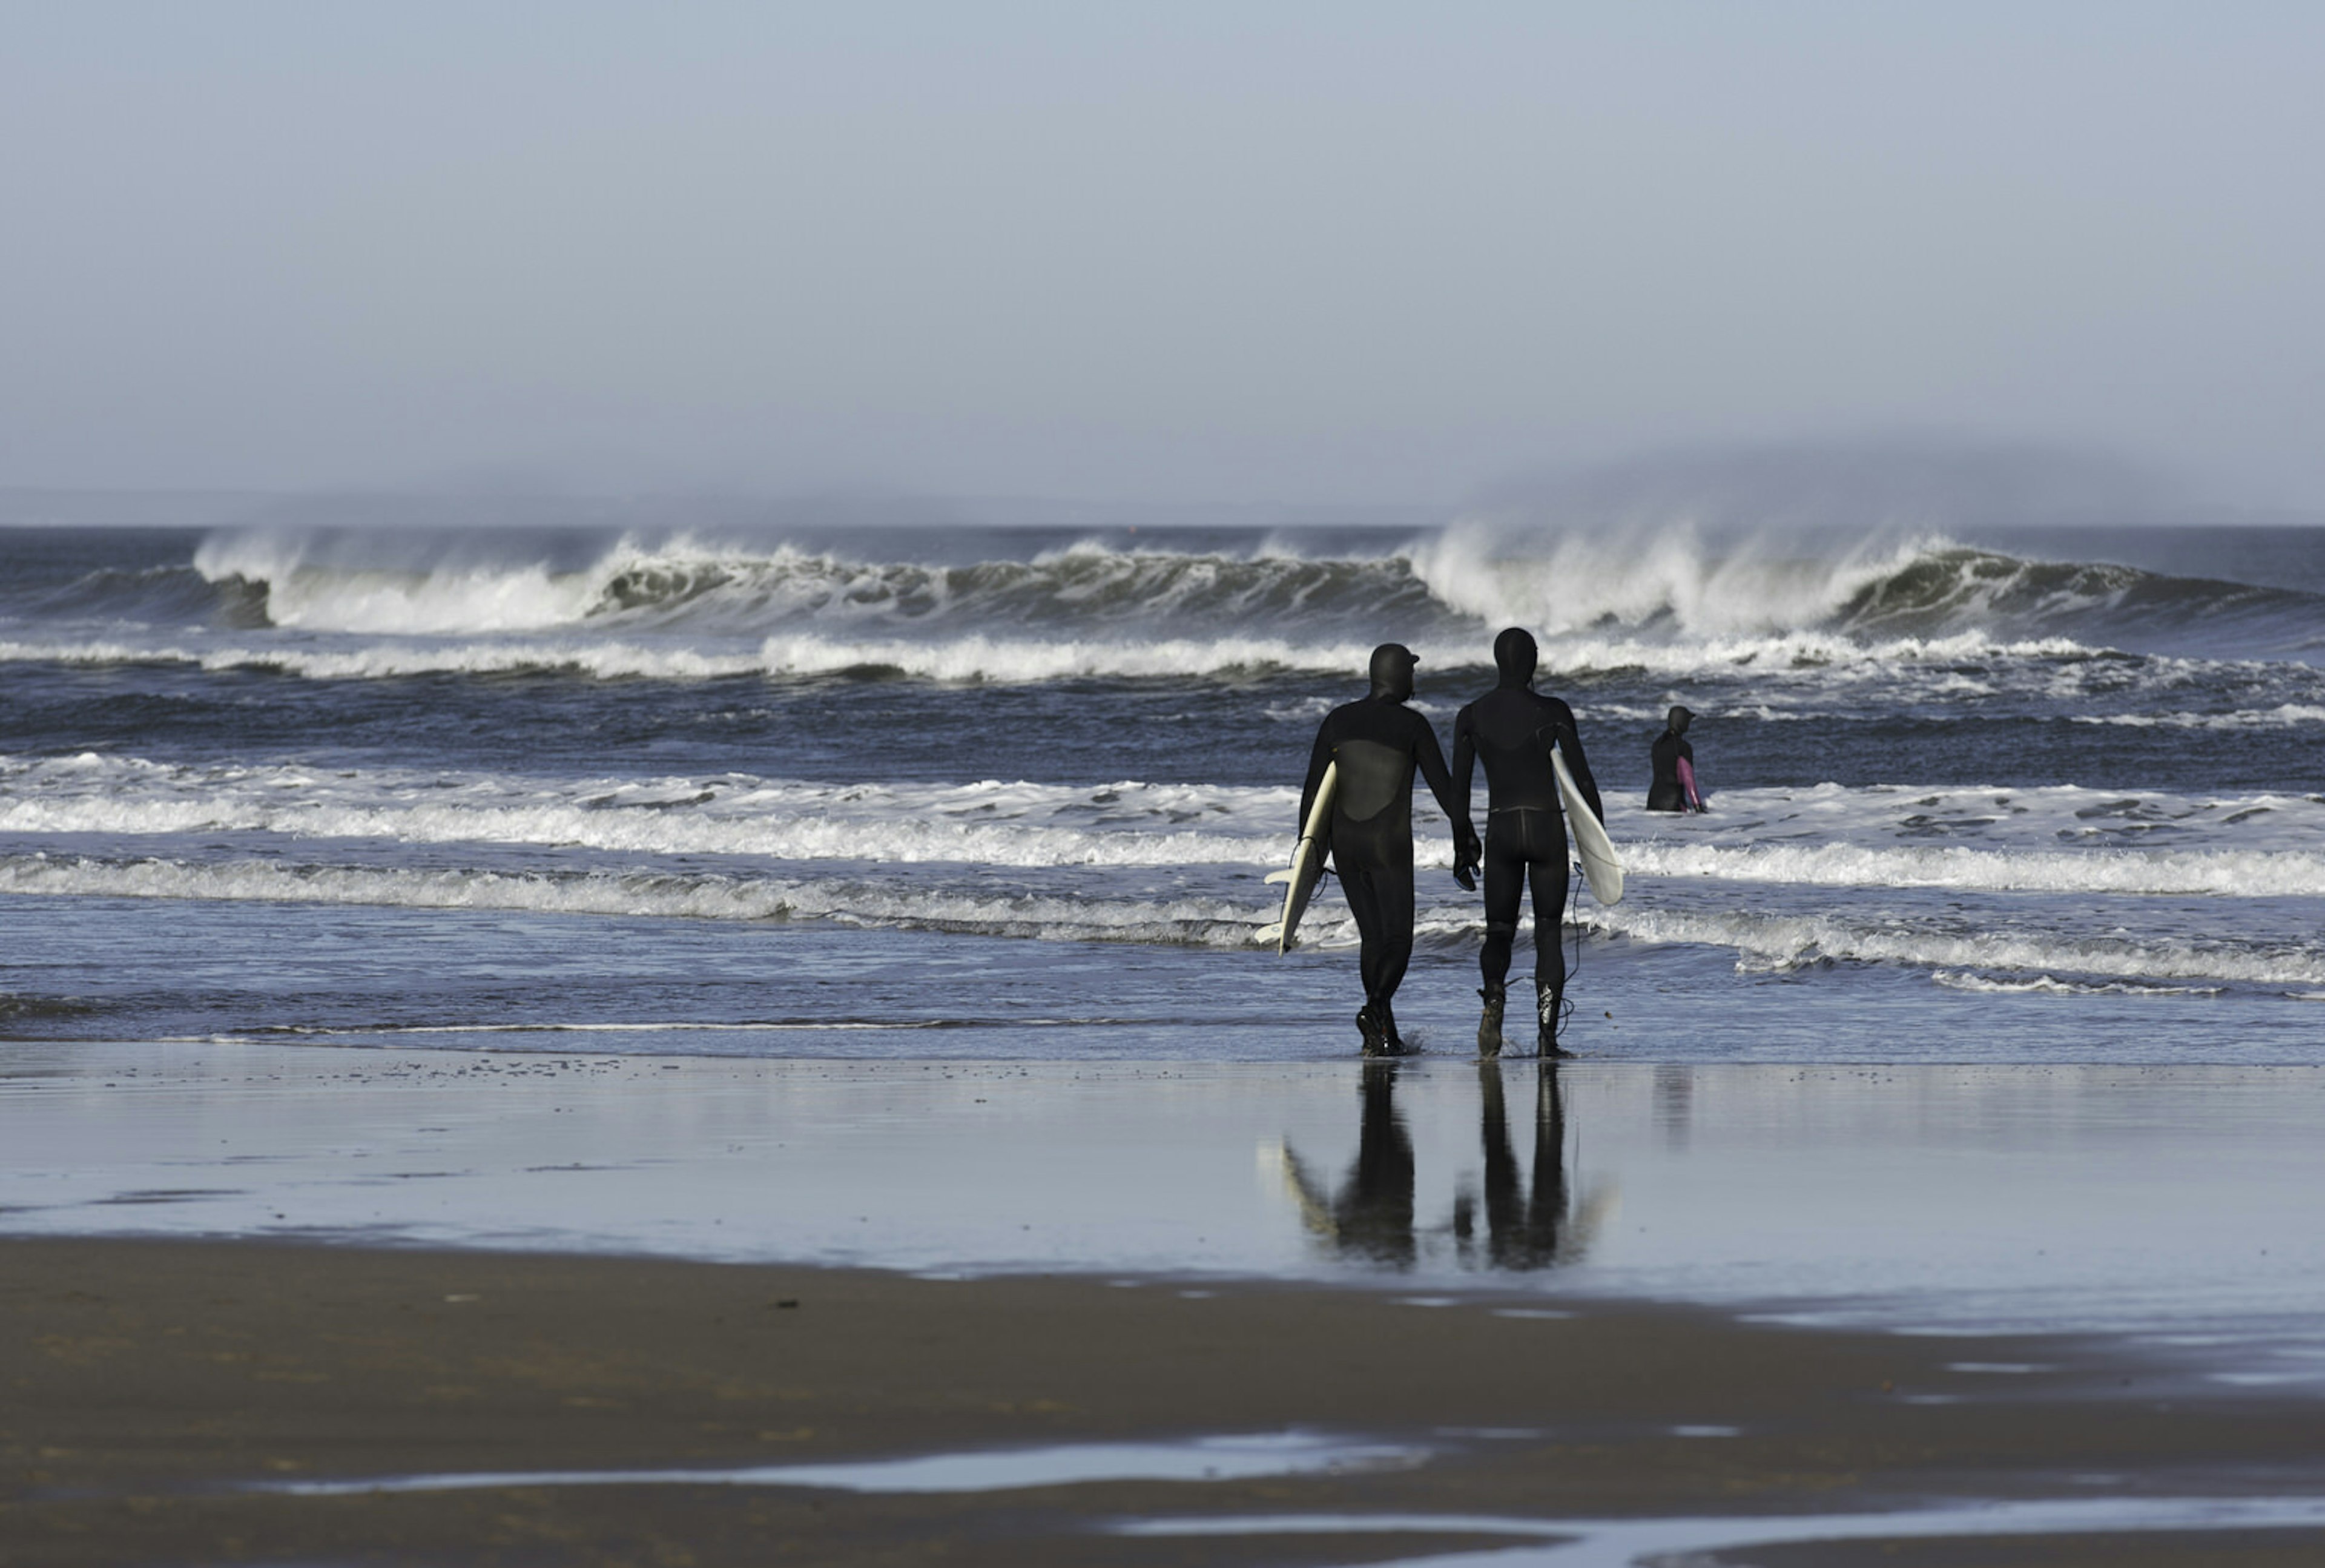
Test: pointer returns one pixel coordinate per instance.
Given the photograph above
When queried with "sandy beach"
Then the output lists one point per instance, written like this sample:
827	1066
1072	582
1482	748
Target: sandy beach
262	1305
157	1390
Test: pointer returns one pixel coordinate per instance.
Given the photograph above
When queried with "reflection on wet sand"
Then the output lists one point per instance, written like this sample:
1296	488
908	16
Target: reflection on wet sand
1370	1219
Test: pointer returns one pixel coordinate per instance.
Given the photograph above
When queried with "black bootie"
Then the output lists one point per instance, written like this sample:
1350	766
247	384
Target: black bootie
1547	1005
1489	1021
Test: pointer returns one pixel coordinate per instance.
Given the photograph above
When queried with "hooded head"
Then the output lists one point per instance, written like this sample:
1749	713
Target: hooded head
1677	722
1392	672
1515	655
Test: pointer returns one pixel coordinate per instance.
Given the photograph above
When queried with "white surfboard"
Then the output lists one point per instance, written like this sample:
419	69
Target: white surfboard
1591	845
1307	865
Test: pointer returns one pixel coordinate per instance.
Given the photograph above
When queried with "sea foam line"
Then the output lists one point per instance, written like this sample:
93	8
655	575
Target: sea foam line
1778	942
1197	922
988	821
2226	874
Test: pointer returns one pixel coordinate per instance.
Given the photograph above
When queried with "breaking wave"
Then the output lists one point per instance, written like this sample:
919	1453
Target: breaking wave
1779	942
990	823
372	604
1186	922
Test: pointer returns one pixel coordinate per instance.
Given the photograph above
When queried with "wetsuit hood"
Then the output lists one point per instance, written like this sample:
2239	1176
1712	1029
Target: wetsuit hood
1392	672
1515	655
1678	721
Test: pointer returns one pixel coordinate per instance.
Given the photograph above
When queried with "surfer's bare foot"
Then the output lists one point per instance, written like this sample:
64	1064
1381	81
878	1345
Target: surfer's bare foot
1369	1023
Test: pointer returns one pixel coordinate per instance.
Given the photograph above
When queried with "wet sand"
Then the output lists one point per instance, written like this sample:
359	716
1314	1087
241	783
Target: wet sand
148	1381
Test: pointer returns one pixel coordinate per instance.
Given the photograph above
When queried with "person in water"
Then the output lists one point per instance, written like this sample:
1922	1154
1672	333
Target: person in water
1511	730
1377	742
1673	789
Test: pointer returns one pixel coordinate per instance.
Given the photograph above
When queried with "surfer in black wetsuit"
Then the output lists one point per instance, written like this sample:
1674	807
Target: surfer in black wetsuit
1673	789
1511	730
1377	742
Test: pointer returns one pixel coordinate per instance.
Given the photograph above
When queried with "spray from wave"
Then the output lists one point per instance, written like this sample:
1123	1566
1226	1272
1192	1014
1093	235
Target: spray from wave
1469	577
1678	566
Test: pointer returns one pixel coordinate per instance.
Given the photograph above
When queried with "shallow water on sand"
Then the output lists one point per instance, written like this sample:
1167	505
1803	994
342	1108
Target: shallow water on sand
2174	1205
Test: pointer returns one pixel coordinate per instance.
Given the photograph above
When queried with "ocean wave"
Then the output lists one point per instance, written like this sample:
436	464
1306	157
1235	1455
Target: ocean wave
2055	840
1929	668
2226	874
976	658
1780	942
2052	985
1879	588
1452	587
331	584
2283	716
990	822
1928	620
1184	921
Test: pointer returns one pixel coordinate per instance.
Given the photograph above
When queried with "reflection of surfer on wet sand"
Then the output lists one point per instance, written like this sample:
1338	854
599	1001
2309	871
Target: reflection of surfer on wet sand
1524	1229
1371	1218
1530	1224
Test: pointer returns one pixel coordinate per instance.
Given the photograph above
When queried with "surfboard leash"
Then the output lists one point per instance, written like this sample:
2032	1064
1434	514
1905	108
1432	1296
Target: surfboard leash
1573	908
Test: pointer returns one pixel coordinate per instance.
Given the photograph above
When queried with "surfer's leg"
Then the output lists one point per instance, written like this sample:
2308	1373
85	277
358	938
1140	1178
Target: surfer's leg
1549	876
1505	886
1393	885
1360	883
1359	886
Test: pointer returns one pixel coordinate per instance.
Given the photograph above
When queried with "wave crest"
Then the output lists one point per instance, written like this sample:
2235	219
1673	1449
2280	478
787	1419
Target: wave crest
1661	602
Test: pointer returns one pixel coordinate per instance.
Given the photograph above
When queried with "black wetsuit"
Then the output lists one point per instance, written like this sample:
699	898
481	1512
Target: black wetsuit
1511	730
1377	742
1665	794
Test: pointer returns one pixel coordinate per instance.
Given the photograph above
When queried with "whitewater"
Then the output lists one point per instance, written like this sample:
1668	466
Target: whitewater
1988	795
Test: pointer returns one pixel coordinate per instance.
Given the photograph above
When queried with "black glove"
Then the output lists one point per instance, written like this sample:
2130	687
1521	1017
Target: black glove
1467	852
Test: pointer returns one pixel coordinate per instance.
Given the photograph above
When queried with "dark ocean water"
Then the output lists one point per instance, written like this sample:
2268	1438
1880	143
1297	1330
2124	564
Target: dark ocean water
2020	796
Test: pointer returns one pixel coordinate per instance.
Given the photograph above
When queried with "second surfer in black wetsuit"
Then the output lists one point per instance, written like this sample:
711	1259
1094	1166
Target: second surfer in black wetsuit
1511	730
1673	760
1377	742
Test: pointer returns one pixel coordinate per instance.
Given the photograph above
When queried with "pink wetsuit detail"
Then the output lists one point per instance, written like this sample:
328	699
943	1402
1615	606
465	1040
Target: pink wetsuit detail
1687	784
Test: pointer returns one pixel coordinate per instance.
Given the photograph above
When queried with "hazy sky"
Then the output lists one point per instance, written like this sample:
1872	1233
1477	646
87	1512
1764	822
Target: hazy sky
1305	253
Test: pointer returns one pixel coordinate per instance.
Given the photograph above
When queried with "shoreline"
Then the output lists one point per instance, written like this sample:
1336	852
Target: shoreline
147	1377
2145	1203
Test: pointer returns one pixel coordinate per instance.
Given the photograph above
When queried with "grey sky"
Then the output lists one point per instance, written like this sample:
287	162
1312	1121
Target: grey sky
1329	252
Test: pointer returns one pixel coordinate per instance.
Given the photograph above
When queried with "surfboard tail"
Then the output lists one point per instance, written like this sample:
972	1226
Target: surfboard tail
1601	867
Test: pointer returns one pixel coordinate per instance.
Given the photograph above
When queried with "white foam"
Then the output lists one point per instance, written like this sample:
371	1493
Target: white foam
440	596
2050	986
1777	943
1575	580
990	822
1201	921
386	661
1004	659
2283	716
2223	874
1203	1459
